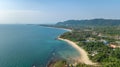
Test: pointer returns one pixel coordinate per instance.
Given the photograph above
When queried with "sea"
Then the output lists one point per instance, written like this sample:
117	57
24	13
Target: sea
24	45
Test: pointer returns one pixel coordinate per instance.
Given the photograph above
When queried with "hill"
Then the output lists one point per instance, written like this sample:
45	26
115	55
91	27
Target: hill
92	22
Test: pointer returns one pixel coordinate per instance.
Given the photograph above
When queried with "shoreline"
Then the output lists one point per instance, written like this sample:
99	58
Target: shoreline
83	54
65	29
58	28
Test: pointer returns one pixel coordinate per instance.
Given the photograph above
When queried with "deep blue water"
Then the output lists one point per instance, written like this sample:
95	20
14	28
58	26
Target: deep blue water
25	45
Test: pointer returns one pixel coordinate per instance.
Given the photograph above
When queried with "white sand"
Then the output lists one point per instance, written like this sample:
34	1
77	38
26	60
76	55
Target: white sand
83	54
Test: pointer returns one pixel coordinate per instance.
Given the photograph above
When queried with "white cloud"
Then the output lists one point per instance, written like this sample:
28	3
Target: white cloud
20	16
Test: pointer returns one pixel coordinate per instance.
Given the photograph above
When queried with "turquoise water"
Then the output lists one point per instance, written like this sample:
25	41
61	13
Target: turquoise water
27	45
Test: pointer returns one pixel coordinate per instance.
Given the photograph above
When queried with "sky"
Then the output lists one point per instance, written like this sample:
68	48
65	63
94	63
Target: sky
53	11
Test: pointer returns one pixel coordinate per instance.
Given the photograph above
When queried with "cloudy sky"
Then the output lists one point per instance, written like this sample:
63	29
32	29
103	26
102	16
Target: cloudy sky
52	11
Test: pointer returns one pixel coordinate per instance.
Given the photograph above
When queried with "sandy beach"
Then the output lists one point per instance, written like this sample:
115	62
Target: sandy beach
83	54
66	29
59	28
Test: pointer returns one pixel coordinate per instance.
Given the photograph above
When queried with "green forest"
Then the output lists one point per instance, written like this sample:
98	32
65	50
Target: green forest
99	37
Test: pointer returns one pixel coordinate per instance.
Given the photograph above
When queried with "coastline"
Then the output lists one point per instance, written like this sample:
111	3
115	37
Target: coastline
83	54
65	29
58	28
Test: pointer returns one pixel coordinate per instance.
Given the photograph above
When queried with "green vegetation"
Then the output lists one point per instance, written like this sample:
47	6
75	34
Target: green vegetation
84	65
99	51
99	37
60	64
92	22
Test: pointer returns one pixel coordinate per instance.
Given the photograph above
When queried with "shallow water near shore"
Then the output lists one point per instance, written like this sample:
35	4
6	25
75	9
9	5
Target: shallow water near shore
27	45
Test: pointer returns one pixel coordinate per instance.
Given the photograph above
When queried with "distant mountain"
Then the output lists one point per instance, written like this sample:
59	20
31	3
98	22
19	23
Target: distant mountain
92	22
